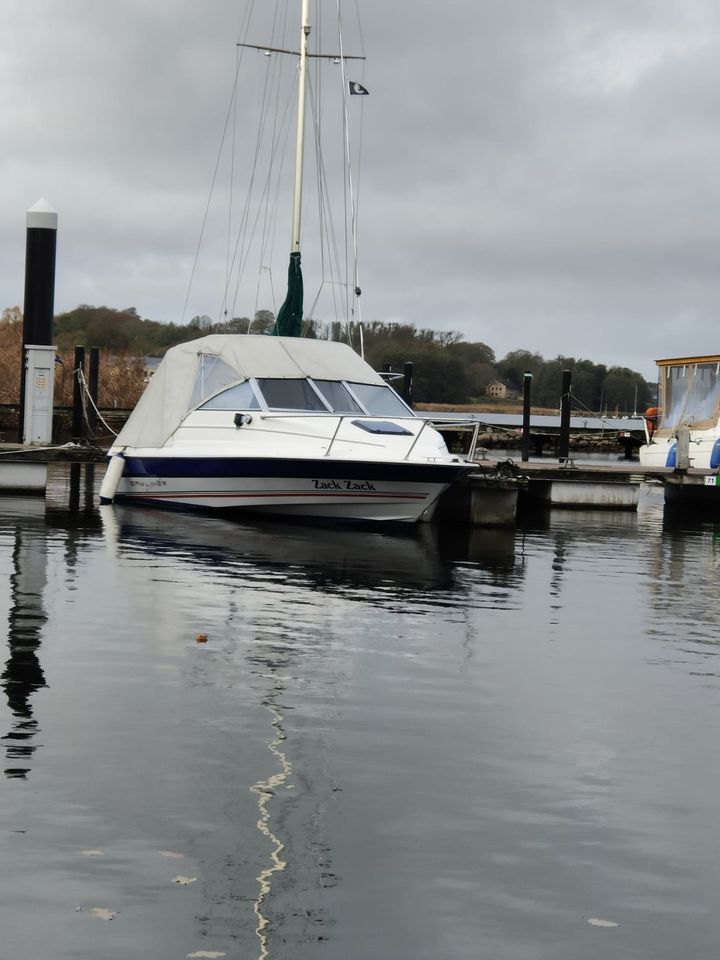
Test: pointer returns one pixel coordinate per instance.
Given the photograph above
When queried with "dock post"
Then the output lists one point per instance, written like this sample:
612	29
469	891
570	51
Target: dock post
564	442
77	429
682	458
527	397
93	384
408	384
40	246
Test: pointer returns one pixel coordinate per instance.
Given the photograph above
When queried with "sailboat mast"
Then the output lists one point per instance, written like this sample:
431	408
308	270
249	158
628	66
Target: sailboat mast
299	147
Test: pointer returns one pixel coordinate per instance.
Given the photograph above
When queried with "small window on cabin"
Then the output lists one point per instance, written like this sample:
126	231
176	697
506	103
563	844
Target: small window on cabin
238	397
212	375
380	401
337	396
283	394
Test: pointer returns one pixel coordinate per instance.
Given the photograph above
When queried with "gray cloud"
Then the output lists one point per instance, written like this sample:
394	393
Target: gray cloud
538	176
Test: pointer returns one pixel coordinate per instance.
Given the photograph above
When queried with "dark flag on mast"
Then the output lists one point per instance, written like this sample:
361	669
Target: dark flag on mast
358	88
289	319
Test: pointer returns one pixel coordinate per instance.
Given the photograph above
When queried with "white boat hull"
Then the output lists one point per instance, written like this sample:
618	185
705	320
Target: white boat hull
704	451
334	490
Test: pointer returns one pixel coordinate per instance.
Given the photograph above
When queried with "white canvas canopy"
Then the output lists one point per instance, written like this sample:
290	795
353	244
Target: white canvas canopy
174	390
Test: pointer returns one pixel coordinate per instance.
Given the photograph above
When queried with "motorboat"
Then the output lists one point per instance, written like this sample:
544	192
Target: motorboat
281	425
688	399
284	424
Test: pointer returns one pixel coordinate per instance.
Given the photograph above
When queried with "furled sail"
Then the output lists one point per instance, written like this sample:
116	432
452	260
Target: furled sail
289	319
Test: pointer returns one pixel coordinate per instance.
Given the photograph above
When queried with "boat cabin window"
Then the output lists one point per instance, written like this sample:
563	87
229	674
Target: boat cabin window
212	375
337	396
290	395
691	393
379	400
238	397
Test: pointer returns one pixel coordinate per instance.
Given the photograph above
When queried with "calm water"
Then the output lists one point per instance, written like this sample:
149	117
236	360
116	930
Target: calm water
442	746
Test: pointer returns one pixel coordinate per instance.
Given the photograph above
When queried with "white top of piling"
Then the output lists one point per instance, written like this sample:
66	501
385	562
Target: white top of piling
42	215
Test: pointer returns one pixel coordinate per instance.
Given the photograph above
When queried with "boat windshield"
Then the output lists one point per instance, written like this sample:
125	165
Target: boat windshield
691	393
283	394
337	396
313	396
380	401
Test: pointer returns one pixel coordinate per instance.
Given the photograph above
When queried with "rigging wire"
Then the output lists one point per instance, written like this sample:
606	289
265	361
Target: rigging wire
254	222
354	196
210	195
232	177
330	257
248	19
246	232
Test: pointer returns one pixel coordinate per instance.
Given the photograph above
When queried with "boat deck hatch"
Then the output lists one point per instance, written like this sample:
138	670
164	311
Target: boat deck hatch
381	426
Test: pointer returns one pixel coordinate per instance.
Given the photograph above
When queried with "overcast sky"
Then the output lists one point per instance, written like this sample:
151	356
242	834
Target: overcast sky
537	174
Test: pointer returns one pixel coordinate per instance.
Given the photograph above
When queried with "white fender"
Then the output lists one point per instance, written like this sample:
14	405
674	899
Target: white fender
113	474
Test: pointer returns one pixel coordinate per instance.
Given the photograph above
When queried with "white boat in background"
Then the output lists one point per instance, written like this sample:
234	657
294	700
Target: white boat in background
281	425
688	397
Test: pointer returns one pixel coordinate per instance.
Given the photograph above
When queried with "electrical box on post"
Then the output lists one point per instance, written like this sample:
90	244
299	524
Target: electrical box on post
39	386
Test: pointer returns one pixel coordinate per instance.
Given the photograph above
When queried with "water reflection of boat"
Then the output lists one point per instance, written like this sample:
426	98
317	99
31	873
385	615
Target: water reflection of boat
419	559
323	555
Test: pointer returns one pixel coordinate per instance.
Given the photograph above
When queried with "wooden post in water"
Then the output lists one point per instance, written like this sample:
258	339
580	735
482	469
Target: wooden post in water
682	453
78	431
565	395
408	384
93	383
527	397
40	246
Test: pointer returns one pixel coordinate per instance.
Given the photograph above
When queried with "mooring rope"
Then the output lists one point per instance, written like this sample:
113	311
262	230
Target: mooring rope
86	392
21	448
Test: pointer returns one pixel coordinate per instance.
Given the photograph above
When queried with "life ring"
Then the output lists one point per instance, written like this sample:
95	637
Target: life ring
651	419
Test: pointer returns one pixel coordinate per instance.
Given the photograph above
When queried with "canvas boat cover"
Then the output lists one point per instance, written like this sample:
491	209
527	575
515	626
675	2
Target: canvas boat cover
173	392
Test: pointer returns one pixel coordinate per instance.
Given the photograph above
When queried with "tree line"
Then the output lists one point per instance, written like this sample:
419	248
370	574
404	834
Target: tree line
447	368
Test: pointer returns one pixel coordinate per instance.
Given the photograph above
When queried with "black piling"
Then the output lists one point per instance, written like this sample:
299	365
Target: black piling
527	398
77	430
565	397
408	384
74	494
93	384
40	248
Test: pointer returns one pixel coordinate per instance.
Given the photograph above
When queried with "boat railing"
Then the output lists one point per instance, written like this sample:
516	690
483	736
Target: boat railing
354	416
458	423
341	418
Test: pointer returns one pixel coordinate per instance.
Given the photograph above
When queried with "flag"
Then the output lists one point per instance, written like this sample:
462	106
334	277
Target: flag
358	88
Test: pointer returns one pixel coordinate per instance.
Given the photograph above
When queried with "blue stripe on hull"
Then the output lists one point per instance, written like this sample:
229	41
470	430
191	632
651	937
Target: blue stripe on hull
197	467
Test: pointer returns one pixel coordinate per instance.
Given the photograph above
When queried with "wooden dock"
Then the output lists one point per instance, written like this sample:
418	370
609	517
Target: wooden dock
493	494
488	497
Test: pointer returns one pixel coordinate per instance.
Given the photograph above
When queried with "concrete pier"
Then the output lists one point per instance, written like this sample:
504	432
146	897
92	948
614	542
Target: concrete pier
480	502
601	487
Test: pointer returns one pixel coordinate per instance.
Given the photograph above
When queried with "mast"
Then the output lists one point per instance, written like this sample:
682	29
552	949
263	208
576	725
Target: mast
300	142
288	322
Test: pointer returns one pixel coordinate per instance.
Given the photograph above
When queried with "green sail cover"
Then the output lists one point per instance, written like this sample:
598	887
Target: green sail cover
289	319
